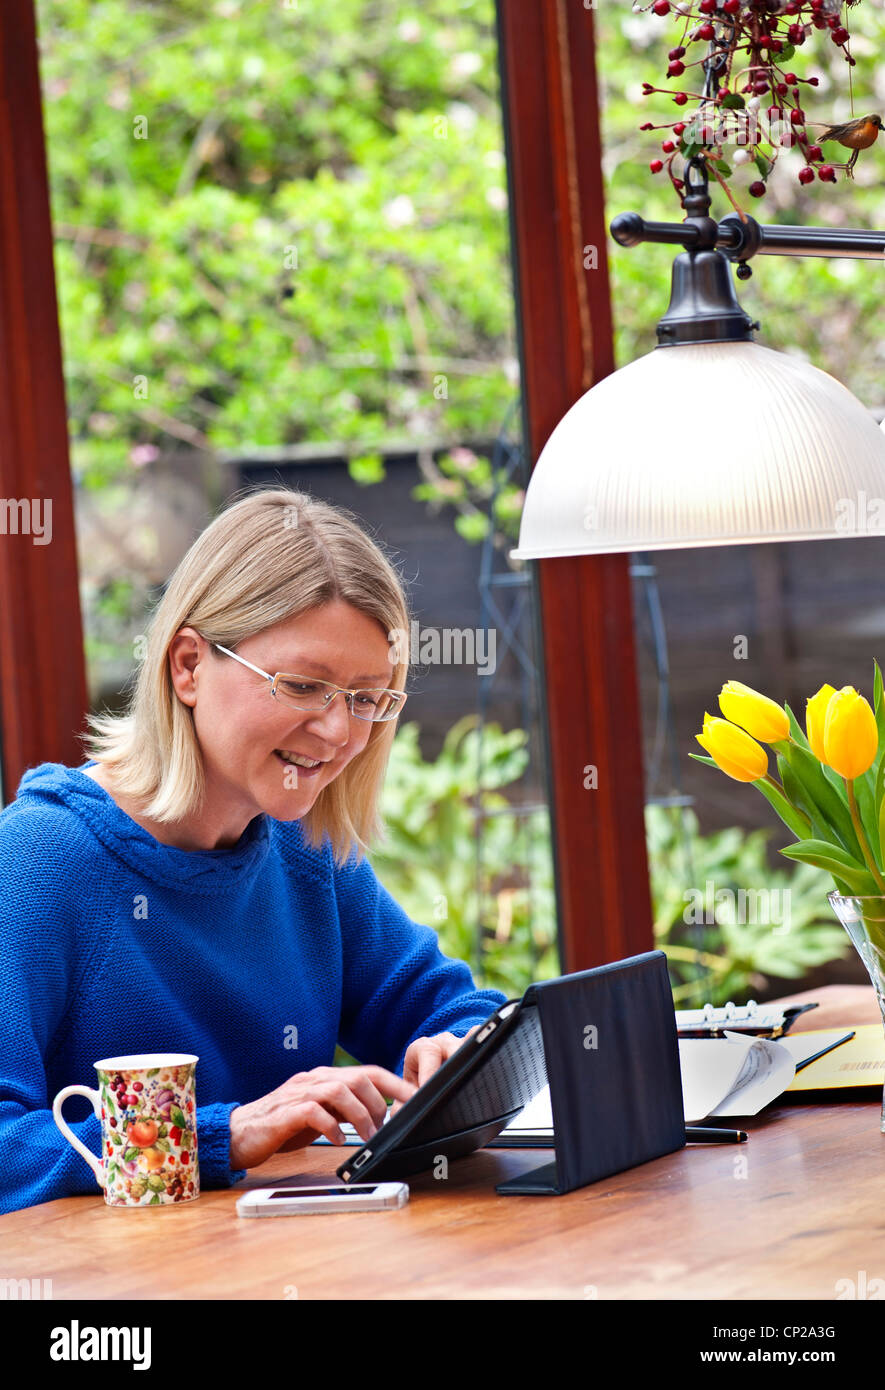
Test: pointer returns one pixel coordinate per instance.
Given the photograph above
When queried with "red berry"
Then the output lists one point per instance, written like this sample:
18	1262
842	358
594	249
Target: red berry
731	6
813	81
656	166
814	152
679	127
790	78
676	69
806	175
757	189
678	183
680	98
705	32
760	86
668	146
112	1122
185	1156
818	21
797	116
792	7
138	1085
832	21
776	45
826	173
707	7
661	7
676	53
840	35
796	33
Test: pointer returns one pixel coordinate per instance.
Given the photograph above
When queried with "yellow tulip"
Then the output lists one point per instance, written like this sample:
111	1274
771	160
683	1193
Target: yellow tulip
733	751
757	714
851	736
815	718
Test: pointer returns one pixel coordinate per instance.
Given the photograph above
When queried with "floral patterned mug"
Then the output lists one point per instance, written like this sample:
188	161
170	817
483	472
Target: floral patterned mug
148	1128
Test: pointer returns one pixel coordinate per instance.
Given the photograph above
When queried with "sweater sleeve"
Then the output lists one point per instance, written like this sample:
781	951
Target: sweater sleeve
45	969
42	971
397	984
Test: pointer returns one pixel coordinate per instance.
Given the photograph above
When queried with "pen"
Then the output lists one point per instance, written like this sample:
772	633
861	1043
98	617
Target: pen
696	1134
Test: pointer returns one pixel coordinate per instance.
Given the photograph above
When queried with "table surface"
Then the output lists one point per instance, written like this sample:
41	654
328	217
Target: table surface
786	1215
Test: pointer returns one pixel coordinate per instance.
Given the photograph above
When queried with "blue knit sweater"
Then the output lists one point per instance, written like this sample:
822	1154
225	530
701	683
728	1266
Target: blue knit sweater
113	943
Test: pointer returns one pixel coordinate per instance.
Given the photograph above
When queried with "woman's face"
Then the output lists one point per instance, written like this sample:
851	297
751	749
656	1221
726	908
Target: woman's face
242	729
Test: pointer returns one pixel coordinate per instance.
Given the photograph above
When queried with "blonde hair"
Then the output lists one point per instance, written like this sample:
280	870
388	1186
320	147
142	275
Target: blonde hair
269	556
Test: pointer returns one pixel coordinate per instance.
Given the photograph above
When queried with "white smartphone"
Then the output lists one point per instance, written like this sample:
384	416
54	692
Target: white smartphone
302	1201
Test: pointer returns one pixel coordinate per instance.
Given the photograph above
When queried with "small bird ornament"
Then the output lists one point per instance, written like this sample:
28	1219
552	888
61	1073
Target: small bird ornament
855	135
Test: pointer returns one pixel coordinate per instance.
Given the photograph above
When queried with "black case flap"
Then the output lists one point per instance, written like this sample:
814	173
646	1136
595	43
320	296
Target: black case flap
612	1059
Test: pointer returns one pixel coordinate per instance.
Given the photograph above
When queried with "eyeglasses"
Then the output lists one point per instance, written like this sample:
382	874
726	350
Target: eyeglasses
307	693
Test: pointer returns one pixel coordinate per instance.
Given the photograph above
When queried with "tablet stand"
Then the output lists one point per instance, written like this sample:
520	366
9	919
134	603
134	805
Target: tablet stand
612	1058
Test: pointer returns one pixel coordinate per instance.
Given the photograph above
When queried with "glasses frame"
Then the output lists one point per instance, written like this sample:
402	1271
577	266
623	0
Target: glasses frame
400	695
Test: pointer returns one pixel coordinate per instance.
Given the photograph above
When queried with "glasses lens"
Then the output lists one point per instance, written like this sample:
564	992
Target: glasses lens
374	705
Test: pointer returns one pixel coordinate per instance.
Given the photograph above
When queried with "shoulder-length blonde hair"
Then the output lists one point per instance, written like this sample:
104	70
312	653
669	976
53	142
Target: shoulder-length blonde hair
269	556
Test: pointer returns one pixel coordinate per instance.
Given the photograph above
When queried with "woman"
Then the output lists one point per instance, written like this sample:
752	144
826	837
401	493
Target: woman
200	884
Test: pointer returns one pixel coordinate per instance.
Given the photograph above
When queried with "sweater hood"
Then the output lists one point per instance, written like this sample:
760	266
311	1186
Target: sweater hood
186	870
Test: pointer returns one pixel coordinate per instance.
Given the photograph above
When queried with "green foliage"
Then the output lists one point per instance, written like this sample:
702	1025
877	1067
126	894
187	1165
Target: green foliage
429	860
781	927
276	223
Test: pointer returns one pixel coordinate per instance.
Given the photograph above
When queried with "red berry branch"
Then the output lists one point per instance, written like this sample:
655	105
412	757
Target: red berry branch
732	56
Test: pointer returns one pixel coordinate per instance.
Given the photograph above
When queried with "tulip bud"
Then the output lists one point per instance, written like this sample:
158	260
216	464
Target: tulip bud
757	714
851	735
734	752
815	718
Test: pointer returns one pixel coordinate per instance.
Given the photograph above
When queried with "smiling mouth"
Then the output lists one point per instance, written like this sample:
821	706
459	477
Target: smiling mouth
303	764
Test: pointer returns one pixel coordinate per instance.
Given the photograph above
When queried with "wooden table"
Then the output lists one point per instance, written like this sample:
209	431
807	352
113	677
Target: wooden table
785	1216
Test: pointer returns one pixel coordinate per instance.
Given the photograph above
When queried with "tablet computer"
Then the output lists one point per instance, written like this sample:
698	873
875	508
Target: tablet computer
485	1083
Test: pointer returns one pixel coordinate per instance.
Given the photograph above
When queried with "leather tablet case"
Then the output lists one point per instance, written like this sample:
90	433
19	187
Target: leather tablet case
612	1059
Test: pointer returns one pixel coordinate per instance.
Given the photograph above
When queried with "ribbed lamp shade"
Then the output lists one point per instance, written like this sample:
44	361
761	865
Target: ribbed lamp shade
705	444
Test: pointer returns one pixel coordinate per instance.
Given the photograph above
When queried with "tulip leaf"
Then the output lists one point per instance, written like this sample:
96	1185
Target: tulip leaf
798	797
877	691
791	818
865	792
835	781
880	787
854	876
796	730
822	801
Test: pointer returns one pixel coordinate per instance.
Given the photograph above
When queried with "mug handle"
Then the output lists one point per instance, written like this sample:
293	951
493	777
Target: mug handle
95	1164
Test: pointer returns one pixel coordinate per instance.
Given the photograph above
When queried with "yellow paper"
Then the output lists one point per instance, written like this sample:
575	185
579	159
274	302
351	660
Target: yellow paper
858	1062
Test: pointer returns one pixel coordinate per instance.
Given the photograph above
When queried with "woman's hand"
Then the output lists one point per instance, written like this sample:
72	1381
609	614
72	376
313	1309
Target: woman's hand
426	1055
312	1103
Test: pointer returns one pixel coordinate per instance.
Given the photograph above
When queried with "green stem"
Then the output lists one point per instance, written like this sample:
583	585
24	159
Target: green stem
862	839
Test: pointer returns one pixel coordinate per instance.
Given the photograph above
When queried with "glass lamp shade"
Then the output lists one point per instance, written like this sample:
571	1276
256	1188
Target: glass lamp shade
705	444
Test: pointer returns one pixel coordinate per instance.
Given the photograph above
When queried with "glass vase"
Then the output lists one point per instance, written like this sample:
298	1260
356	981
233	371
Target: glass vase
864	920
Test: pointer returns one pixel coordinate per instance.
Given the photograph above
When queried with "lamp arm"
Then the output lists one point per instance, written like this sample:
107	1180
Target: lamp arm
740	240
